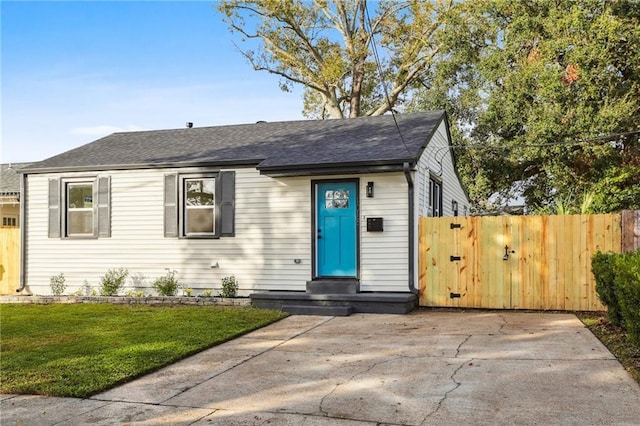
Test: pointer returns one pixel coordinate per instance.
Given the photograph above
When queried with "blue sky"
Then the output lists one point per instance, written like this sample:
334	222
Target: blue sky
73	72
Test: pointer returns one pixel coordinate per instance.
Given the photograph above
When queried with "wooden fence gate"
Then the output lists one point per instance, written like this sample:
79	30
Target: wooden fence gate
514	262
9	259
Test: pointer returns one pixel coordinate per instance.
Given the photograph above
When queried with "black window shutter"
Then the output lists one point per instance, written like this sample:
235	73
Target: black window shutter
54	208
170	205
227	203
104	206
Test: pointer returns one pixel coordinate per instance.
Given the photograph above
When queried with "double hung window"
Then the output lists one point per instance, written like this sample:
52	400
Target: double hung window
199	205
80	207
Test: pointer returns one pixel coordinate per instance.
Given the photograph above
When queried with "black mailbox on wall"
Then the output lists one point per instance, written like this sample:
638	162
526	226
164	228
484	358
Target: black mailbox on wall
374	224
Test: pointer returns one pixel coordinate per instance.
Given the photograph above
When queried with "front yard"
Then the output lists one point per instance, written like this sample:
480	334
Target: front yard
81	349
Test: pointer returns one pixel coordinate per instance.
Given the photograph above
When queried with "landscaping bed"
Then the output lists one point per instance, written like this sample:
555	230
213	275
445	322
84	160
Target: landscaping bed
615	338
126	300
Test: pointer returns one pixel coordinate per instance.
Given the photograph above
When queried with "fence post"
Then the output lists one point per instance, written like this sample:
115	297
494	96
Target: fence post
630	230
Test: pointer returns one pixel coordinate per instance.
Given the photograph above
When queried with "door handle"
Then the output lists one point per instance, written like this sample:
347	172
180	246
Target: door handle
507	253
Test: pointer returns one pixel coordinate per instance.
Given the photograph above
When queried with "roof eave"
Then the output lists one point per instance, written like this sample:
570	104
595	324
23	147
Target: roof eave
163	165
333	169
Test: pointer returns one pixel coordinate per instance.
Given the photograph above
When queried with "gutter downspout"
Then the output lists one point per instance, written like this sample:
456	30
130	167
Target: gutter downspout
23	231
407	174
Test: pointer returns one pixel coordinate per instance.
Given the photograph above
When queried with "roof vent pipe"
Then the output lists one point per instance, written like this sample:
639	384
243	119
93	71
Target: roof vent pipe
189	124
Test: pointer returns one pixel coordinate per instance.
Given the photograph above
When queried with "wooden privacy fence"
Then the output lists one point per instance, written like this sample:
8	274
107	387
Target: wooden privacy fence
514	262
9	259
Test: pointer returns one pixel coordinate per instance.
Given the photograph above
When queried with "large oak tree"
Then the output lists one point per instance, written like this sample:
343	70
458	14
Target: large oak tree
543	96
327	47
549	109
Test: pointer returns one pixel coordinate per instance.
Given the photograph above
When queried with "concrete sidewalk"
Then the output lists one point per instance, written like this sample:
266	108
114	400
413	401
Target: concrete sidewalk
429	367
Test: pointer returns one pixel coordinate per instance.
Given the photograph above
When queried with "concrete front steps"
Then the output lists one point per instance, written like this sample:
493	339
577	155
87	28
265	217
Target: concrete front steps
335	298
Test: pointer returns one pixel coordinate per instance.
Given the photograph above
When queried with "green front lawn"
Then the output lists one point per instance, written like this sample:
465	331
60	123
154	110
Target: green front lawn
82	349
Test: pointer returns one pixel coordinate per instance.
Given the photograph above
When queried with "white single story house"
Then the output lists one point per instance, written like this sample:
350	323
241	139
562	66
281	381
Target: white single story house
311	212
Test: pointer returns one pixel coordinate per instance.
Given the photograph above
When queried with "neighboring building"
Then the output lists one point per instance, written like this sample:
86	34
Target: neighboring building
299	207
10	193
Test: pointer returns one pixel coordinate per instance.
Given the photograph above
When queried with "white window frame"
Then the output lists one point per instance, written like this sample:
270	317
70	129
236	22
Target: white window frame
68	209
184	207
435	196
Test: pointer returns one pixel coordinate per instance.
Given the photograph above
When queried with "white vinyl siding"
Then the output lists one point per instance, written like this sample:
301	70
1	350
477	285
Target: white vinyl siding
272	230
384	255
437	160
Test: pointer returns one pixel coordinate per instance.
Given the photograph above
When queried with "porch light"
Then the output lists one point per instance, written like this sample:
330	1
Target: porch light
369	189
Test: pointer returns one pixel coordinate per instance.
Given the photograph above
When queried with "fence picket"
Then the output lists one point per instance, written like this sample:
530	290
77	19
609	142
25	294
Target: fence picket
9	259
548	265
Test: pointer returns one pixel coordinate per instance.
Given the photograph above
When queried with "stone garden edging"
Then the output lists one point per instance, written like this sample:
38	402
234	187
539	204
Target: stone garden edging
125	300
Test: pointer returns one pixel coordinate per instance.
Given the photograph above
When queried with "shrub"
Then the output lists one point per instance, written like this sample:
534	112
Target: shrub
57	283
167	285
627	283
207	293
229	287
113	281
138	281
86	289
603	267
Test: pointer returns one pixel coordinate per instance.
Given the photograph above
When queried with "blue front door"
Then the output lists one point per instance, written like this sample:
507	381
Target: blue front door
336	246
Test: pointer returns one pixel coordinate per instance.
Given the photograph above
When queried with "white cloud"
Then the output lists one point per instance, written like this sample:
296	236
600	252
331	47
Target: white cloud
103	130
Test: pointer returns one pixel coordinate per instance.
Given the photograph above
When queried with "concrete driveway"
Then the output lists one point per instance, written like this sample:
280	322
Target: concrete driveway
429	367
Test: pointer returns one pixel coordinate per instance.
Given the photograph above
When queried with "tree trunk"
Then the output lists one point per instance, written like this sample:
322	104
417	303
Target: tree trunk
358	70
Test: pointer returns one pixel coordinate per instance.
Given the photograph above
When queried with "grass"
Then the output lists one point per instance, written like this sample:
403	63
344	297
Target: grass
615	339
81	349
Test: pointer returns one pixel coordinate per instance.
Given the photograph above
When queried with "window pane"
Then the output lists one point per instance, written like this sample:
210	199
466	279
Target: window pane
199	220
80	208
336	199
200	192
80	222
80	196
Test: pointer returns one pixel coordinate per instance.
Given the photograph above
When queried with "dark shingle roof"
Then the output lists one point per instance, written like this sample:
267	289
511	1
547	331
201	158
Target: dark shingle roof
270	146
10	178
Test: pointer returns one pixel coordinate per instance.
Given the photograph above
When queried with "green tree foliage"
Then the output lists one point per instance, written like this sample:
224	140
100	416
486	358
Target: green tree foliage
326	46
534	89
552	72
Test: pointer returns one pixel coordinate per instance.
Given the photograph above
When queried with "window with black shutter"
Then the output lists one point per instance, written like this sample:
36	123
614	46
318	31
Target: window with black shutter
199	205
80	207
